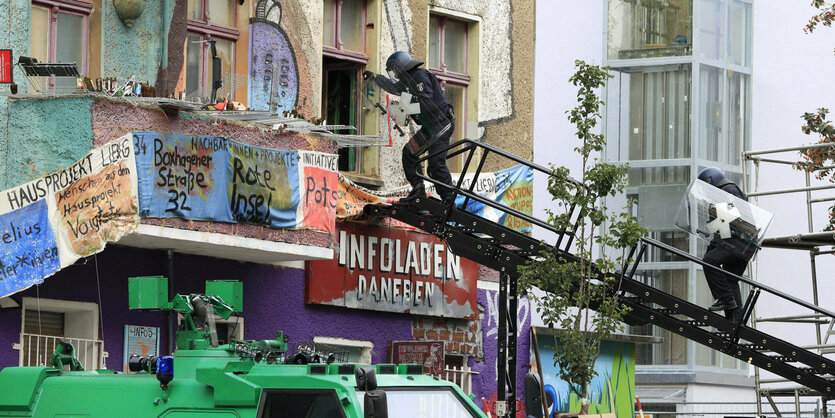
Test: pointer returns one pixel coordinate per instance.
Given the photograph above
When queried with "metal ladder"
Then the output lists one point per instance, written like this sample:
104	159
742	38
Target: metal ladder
503	249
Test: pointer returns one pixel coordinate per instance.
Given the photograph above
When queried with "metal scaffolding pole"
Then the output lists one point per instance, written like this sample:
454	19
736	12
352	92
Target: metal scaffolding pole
813	253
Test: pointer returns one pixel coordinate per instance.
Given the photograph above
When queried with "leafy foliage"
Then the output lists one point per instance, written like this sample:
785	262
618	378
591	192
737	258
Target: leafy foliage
580	283
815	160
820	160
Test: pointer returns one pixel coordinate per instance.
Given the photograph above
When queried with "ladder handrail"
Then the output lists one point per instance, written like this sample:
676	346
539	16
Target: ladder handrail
470	145
755	284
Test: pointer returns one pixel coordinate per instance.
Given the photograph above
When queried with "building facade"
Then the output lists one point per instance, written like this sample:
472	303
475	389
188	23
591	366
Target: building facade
301	59
680	101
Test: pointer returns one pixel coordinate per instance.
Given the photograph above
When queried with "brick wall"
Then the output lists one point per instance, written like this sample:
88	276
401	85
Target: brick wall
460	336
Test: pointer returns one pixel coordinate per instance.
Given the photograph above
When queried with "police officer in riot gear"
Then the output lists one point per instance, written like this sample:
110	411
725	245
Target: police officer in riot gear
724	288
427	89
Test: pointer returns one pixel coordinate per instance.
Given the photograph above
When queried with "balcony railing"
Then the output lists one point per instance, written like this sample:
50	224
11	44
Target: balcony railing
461	376
36	350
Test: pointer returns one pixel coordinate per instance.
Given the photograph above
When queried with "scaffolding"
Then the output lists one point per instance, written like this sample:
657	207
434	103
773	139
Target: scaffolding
812	242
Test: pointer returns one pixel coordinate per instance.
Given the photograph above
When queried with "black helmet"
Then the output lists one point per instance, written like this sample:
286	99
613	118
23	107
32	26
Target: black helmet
712	176
402	60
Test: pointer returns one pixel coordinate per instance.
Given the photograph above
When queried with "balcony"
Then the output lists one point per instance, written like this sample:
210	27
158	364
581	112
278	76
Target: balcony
36	350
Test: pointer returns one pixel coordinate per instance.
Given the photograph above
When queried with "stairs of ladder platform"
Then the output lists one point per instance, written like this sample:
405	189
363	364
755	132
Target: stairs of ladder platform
503	249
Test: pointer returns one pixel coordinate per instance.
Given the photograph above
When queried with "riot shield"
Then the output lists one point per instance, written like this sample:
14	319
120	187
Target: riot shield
433	123
375	98
722	219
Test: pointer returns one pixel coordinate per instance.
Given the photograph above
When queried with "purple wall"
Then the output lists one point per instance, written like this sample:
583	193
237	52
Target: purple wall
273	300
485	383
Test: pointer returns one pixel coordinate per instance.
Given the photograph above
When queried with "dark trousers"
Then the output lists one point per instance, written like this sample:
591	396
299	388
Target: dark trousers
437	169
722	286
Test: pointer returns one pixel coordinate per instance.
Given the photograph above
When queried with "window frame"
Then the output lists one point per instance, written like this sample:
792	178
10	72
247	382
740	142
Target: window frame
364	346
206	30
262	403
441	72
453	78
79	8
339	51
77	316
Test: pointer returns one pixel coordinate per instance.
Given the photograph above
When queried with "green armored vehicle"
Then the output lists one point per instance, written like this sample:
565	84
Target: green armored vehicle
240	379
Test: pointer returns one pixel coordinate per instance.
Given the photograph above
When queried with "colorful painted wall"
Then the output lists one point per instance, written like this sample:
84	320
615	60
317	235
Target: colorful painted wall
273	300
49	134
614	384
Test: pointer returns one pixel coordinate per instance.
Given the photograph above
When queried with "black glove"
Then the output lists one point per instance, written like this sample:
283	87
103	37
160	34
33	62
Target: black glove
368	74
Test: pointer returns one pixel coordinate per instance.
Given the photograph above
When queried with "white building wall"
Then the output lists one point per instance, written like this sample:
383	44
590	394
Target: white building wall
793	75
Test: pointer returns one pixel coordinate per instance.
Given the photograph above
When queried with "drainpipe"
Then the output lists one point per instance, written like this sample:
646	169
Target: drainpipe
172	316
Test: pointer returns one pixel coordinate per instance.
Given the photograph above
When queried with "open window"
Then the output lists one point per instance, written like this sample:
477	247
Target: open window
44	322
344	58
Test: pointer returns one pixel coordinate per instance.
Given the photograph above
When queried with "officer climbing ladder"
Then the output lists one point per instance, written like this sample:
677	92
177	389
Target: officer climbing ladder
503	249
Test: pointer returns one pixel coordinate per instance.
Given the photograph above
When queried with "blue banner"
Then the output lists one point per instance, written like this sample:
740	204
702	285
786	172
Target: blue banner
29	250
183	176
218	179
512	187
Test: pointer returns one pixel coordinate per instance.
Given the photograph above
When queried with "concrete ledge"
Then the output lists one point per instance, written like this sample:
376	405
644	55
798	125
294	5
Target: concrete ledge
731	378
226	246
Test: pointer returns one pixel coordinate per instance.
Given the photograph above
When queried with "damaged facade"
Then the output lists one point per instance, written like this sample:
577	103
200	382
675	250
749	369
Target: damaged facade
303	58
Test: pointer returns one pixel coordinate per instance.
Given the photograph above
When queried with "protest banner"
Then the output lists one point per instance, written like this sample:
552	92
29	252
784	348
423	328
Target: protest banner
50	222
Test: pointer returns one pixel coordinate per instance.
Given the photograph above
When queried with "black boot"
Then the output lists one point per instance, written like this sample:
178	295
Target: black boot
418	191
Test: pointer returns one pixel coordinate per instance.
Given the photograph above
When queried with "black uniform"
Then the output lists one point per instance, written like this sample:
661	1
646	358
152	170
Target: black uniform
723	287
437	164
428	88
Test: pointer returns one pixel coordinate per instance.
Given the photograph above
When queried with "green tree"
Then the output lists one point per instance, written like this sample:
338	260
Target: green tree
581	288
820	160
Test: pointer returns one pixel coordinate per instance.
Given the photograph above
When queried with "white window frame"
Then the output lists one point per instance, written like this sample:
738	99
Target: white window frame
364	346
81	322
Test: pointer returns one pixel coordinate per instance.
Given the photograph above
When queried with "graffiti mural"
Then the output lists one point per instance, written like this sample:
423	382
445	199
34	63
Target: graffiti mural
273	73
485	382
611	391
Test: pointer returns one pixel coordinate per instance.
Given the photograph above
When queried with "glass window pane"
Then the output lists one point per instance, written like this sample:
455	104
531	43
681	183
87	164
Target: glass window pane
353	25
70	44
434	35
738	131
194	66
222	12
710	114
659	115
649	28
329	25
301	403
415	403
673	349
226	52
195	9
456	96
739	33
40	34
455	46
712	29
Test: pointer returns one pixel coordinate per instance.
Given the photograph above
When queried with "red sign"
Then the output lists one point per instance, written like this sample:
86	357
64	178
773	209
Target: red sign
393	270
5	65
428	353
